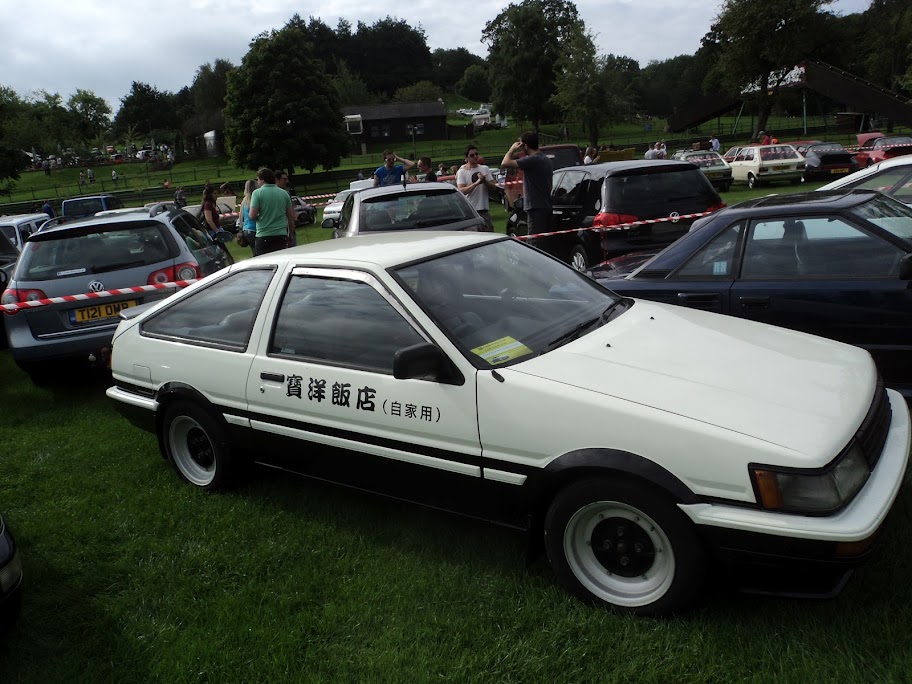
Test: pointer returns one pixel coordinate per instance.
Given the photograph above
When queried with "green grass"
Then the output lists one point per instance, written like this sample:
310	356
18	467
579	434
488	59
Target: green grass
132	576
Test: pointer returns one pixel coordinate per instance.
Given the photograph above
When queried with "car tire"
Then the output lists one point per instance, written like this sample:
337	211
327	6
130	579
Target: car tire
578	258
195	446
752	181
626	546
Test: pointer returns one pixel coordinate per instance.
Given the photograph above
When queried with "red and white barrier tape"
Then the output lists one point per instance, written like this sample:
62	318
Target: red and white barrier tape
310	197
620	226
857	148
13	308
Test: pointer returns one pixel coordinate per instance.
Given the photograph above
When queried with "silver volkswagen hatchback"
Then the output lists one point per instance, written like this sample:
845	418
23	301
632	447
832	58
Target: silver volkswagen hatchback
147	246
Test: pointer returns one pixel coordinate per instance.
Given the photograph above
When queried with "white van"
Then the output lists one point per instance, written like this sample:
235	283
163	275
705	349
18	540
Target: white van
18	227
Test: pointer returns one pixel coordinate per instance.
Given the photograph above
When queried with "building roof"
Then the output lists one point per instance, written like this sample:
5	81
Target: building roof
396	110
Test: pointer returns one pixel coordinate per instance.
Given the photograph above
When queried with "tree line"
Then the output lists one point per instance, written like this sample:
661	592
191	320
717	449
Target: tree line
543	65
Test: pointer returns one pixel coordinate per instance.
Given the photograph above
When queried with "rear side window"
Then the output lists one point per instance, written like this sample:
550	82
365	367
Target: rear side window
221	314
108	248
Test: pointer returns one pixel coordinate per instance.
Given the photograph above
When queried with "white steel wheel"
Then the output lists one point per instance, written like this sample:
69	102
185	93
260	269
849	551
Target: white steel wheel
752	181
195	445
626	546
619	554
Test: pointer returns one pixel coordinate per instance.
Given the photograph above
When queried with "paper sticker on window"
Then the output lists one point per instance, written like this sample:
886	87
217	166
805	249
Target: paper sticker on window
720	268
502	350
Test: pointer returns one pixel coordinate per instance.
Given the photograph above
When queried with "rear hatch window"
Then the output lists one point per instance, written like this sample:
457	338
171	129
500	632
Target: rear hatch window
658	193
95	249
415	210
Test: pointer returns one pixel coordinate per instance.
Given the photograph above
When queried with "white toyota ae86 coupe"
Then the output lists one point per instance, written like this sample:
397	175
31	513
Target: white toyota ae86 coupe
645	447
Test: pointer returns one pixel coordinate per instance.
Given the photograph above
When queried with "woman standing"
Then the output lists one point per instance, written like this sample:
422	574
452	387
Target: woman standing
210	217
248	225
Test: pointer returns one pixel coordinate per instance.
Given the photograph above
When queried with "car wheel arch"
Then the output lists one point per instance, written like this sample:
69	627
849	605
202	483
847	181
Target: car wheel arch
171	392
583	464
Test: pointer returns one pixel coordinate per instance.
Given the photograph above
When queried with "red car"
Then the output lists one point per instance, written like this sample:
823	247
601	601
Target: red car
875	147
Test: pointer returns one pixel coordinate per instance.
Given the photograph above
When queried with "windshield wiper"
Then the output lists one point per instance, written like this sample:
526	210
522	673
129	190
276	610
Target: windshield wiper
573	333
577	330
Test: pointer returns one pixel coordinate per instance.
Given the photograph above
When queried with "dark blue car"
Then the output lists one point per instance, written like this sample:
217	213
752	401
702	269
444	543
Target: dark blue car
834	264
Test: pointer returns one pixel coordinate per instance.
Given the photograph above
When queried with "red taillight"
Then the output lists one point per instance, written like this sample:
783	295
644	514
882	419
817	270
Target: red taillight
607	220
14	296
185	271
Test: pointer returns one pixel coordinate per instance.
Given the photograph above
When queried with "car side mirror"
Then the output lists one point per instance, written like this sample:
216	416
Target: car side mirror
423	361
328	223
905	267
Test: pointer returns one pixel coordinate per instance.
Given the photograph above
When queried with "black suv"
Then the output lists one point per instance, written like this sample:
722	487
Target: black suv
615	193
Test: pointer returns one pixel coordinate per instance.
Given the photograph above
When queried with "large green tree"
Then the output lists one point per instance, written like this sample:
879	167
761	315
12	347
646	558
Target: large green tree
475	83
591	89
147	110
389	54
90	115
526	43
283	117
758	43
422	91
449	66
12	158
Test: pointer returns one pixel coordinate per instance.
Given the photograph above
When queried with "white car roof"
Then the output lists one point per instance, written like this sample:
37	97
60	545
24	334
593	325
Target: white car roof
16	219
861	174
383	250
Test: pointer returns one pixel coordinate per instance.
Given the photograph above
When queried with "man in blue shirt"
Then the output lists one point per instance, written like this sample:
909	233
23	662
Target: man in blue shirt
48	209
392	173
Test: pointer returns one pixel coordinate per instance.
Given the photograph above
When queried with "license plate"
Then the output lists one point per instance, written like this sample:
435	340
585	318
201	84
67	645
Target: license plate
839	170
91	314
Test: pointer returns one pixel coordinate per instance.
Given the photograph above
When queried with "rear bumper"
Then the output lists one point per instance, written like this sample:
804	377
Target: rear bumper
26	347
804	555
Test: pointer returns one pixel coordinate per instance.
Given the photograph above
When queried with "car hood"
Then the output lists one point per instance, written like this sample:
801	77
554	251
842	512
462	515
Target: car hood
787	388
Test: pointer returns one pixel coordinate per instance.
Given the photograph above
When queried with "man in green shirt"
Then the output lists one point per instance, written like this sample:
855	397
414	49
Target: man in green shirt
270	207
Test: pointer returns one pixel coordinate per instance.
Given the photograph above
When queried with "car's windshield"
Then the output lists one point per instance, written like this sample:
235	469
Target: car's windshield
109	248
410	210
889	214
705	159
504	302
342	195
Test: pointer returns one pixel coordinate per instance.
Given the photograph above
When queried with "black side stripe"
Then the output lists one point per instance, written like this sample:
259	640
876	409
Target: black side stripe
442	454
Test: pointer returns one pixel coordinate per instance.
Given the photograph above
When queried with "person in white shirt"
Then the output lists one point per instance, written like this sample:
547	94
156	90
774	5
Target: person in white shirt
652	153
714	143
473	180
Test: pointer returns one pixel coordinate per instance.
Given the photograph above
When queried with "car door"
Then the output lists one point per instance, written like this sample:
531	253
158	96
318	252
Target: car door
702	281
828	276
322	381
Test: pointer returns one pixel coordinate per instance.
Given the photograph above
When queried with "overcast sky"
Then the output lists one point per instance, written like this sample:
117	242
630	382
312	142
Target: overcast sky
62	45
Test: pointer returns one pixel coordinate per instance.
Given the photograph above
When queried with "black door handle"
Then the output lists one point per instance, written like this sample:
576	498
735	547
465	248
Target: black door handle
275	377
698	297
755	302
